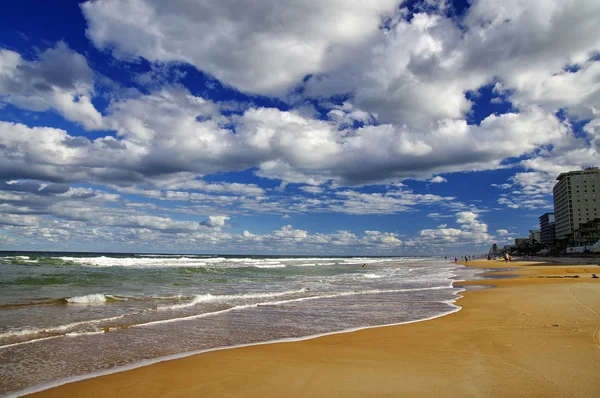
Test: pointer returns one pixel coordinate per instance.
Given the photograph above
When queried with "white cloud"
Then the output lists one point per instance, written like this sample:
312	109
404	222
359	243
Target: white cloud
414	72
471	231
216	221
289	233
171	132
437	180
253	46
403	82
312	189
438	215
17	220
59	79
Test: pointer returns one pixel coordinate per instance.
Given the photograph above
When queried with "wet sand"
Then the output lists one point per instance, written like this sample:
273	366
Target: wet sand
537	335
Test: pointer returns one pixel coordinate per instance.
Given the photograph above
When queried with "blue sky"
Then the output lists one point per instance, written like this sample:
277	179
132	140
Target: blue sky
310	127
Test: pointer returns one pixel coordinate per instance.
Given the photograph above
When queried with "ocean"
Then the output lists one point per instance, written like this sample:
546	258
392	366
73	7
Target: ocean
65	316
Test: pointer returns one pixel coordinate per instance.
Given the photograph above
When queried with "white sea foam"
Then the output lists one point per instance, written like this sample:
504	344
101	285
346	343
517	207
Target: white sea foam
101	298
22	332
42	387
204	298
157	261
56	383
340	280
97	298
77	334
311	264
30	341
137	262
269	265
281	302
58	329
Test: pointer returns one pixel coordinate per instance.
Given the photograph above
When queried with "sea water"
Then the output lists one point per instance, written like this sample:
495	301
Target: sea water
67	315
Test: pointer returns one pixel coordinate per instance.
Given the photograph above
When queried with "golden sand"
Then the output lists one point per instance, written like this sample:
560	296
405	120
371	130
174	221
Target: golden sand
537	335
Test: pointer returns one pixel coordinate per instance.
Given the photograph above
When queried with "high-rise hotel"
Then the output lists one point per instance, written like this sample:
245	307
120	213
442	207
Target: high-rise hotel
575	200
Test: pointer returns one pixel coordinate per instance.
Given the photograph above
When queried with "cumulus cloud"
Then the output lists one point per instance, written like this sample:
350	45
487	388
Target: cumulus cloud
58	79
289	233
437	180
414	71
417	71
215	221
171	131
252	46
471	230
374	94
312	189
393	201
529	190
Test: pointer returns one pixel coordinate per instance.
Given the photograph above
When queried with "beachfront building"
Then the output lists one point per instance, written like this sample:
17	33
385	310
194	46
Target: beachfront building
494	249
522	243
575	200
588	232
547	232
535	236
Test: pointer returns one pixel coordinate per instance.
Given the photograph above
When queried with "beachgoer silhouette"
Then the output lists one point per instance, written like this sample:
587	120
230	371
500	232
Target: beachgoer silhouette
363	266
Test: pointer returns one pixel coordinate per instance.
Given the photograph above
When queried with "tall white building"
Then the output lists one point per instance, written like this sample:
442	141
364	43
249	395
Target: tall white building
575	200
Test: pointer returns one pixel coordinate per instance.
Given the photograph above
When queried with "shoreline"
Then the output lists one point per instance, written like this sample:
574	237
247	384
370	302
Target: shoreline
149	362
347	344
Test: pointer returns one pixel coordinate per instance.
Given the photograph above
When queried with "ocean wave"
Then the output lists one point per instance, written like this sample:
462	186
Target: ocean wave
198	261
281	302
97	298
77	334
142	262
102	325
269	265
59	301
52	331
91	299
205	298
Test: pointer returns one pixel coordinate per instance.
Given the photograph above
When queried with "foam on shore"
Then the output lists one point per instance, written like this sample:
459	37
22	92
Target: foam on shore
148	362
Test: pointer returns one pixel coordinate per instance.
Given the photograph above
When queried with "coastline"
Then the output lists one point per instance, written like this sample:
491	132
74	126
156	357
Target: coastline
535	335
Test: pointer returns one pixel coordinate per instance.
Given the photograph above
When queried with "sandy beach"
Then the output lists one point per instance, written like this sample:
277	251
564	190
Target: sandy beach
537	335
